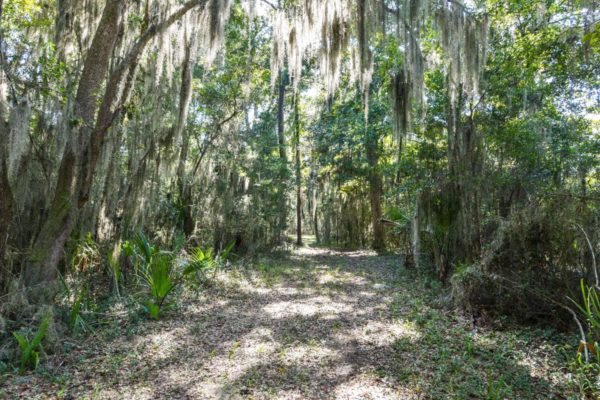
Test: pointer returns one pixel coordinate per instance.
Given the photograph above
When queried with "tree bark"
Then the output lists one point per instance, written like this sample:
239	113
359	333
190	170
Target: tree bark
6	202
76	174
48	246
314	210
375	190
462	199
185	95
298	171
282	153
280	116
6	196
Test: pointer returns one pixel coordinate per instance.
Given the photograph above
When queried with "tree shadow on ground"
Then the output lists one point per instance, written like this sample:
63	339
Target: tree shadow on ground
316	324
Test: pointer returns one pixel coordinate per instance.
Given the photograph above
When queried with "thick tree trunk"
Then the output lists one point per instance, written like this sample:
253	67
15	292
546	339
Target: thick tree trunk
76	174
49	244
281	116
6	196
105	228
462	199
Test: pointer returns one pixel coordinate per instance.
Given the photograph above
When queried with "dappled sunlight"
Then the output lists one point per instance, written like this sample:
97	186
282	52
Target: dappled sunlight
204	306
160	345
306	307
279	289
380	333
308	354
329	331
326	278
366	387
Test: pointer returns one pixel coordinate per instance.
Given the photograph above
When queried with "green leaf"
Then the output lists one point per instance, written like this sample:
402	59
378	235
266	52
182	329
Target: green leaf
22	340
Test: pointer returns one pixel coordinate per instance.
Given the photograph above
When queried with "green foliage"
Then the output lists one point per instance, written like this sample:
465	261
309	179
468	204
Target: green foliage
26	14
144	248
590	307
494	389
86	256
155	270
203	262
160	278
586	365
77	323
30	349
140	251
585	376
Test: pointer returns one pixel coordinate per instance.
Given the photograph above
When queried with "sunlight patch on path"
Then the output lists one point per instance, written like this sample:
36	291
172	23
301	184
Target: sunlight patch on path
380	333
367	388
306	307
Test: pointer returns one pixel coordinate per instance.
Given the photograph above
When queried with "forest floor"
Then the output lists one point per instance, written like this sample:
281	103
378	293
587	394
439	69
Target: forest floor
313	324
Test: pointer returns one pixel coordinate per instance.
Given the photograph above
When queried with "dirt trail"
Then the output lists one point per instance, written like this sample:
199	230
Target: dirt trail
317	324
314	326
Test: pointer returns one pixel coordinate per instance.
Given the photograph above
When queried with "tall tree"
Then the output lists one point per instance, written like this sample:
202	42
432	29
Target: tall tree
88	126
298	162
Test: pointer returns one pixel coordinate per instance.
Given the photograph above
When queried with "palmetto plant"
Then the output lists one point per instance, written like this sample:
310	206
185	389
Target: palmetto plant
200	264
161	273
161	279
144	248
155	270
30	356
591	306
203	262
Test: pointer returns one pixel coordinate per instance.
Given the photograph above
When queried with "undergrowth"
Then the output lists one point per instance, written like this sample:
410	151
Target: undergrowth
136	278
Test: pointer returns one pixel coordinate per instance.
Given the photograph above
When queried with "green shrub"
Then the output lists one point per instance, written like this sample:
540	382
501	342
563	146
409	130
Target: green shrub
161	272
86	255
202	263
30	356
586	366
161	279
76	321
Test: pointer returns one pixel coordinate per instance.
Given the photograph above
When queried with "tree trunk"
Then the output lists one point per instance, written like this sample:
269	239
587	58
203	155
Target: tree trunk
416	237
6	196
282	152
375	190
76	174
48	246
462	199
185	193
6	205
315	214
298	171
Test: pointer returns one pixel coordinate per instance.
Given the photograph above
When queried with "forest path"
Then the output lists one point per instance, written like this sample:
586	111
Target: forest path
314	324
